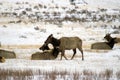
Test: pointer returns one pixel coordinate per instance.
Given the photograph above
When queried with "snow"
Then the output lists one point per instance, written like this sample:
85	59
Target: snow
93	61
24	39
26	34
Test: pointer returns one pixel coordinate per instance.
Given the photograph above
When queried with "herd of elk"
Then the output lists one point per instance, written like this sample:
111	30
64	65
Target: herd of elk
65	43
60	45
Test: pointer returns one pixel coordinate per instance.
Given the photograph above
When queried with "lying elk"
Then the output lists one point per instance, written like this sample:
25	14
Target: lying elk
7	54
108	38
65	43
46	55
104	45
2	59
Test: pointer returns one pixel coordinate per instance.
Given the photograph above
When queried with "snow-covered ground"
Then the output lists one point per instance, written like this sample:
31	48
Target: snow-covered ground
95	61
25	39
26	34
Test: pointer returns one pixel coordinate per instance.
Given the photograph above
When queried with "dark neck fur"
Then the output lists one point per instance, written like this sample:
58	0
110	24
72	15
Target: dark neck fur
110	38
111	42
0	57
55	52
55	42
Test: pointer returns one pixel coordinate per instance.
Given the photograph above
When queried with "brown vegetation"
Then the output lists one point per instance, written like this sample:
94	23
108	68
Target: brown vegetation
8	74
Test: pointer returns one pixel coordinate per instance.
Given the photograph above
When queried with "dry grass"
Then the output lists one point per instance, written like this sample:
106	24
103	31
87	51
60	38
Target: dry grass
106	75
97	51
9	74
85	48
21	46
14	74
118	75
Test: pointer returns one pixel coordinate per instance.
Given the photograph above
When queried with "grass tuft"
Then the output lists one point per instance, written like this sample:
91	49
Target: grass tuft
30	74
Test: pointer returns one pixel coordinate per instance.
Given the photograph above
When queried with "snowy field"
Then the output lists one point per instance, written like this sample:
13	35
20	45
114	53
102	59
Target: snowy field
24	40
26	37
94	63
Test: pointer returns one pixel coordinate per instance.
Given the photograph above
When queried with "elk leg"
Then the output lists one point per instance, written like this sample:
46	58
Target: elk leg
65	57
63	54
74	50
81	53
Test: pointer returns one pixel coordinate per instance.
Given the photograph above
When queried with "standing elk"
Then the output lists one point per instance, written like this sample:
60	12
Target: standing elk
65	43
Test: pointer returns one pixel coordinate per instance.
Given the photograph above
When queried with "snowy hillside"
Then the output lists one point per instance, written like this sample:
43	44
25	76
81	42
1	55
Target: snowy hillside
30	21
91	3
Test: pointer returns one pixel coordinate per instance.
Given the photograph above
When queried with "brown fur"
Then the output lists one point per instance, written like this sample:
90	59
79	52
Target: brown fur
45	55
108	38
2	59
44	47
66	43
7	54
117	40
100	45
104	45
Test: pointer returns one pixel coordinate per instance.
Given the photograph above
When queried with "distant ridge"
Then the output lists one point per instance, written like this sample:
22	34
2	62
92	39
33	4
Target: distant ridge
79	1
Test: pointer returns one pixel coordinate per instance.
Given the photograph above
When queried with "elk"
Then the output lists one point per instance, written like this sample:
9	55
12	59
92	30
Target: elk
7	54
65	43
104	45
2	59
46	55
108	38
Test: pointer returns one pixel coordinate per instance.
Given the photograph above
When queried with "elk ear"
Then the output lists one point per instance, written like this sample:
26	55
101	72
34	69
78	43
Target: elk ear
51	35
